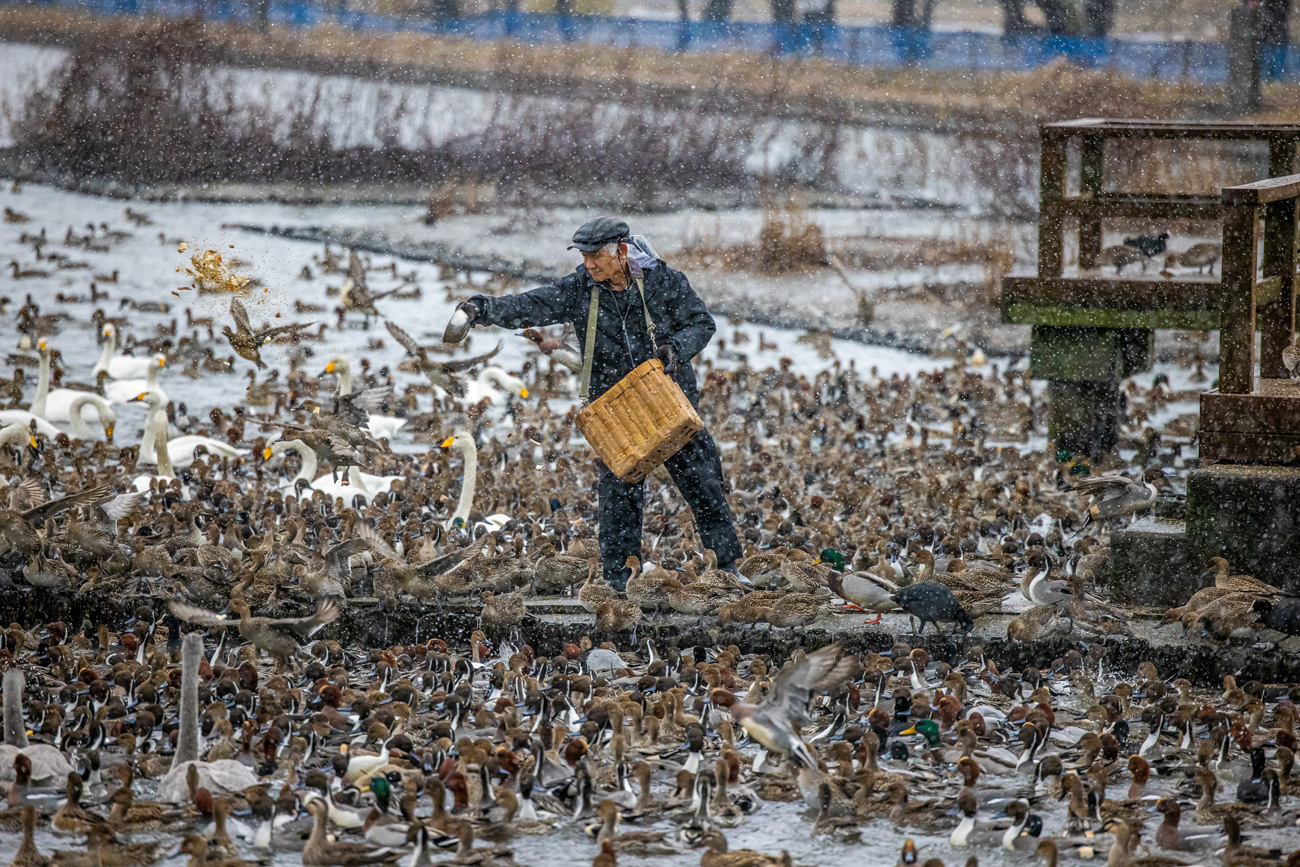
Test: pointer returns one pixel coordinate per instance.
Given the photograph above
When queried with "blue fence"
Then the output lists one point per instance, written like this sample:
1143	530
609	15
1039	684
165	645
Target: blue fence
1204	62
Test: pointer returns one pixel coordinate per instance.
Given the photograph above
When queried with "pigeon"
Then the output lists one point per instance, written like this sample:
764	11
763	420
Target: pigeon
1147	245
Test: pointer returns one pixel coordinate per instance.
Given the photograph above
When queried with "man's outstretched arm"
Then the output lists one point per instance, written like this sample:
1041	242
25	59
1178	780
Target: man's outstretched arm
545	305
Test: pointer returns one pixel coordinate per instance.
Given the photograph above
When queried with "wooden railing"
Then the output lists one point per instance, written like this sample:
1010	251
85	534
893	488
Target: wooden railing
1250	292
1092	204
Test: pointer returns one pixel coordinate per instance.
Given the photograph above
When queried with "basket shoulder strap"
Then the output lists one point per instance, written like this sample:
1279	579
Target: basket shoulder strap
584	392
649	325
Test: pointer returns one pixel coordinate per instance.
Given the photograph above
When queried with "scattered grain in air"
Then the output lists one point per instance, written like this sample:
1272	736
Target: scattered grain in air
182	247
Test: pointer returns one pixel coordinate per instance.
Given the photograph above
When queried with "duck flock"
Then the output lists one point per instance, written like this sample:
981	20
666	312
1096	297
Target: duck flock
197	694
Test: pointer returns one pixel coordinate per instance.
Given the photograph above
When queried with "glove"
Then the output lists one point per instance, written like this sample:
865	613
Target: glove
461	322
668	355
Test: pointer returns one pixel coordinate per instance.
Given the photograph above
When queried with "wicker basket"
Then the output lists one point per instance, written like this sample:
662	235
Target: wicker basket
642	421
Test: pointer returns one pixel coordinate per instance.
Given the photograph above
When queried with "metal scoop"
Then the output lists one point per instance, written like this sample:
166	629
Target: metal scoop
457	328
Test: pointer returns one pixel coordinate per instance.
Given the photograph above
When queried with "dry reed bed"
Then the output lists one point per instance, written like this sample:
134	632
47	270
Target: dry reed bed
144	108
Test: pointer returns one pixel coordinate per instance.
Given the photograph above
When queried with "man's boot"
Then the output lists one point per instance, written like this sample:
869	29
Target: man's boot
731	567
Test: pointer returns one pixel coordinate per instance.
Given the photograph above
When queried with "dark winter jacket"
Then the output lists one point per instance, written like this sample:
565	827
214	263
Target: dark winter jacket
622	342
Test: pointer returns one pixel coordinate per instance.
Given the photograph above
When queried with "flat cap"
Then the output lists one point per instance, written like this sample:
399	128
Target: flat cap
597	232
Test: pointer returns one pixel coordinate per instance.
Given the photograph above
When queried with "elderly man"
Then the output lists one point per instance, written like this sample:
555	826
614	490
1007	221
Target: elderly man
612	259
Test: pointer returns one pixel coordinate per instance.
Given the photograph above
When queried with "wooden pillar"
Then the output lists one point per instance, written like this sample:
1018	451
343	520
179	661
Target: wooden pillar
1090	185
1237	302
1084	417
1277	318
1083	367
1051	231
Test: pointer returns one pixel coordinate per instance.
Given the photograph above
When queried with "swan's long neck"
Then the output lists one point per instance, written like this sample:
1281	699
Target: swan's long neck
107	417
151	376
356	481
344	370
42	385
187	746
15	726
106	354
150	437
308	471
163	457
466	502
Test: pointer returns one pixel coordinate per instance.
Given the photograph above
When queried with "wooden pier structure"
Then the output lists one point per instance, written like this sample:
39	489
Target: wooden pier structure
1243	500
1090	331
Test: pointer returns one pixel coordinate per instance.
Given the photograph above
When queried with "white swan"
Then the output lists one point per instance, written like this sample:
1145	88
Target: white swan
489	384
360	484
379	426
465	504
123	390
25	418
51	404
181	449
49	767
77	421
119	366
222	777
15	434
158	452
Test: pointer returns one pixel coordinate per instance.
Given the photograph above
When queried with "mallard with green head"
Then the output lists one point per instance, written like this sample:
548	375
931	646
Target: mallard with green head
861	590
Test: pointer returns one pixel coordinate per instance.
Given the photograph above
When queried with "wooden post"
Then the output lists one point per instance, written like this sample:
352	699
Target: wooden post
1237	304
1277	318
1051	231
1090	184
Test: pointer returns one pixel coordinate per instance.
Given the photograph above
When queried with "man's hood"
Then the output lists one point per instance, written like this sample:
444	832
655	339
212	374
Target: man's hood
641	256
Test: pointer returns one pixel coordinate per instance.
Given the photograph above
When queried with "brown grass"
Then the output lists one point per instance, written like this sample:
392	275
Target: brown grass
788	240
696	147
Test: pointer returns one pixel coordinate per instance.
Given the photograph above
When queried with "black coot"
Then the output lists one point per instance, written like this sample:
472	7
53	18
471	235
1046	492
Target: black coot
1280	614
931	602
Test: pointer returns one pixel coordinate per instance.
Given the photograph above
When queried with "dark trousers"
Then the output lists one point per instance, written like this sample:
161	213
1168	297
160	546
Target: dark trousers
697	472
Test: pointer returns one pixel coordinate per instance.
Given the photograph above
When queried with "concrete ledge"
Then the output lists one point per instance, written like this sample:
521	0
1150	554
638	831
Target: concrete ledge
1152	563
553	622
